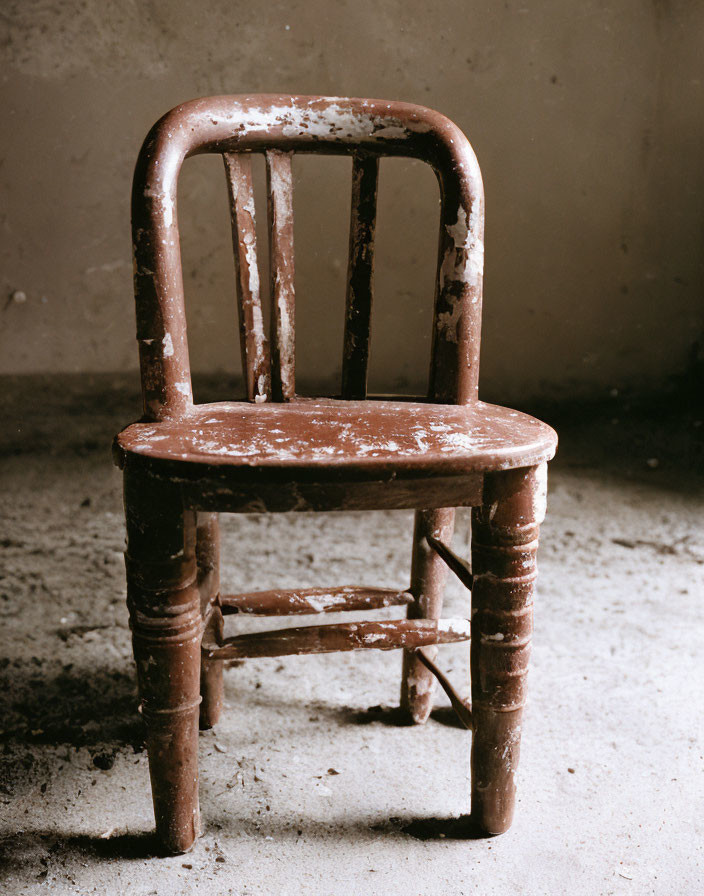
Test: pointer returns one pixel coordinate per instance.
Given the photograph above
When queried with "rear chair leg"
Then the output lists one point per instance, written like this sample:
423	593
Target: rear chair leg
504	547
164	604
208	558
428	575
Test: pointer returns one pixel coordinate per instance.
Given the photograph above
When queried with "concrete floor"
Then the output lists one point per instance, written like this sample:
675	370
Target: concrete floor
308	785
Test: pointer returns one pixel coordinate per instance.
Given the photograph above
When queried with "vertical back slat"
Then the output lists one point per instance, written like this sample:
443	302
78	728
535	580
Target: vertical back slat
253	341
281	274
360	276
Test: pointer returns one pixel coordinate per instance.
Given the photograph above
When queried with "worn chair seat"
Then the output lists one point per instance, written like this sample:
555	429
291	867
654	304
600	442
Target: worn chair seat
366	439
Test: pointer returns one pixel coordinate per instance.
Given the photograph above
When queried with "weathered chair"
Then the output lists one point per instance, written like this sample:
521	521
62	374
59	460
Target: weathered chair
276	451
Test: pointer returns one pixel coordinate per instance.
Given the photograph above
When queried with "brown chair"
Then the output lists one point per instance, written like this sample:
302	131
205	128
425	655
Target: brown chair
275	451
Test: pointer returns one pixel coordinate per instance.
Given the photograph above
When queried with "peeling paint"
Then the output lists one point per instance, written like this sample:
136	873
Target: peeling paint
330	430
540	494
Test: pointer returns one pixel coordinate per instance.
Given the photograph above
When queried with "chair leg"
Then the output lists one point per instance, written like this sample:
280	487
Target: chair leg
164	603
428	575
208	558
504	547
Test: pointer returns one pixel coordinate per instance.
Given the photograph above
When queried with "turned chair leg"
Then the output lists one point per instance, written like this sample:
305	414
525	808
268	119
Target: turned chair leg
504	547
428	575
208	559
164	604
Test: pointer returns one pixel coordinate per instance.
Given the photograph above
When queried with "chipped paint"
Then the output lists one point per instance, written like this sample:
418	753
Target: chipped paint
540	493
290	123
308	431
250	254
455	626
464	258
163	201
337	119
439	450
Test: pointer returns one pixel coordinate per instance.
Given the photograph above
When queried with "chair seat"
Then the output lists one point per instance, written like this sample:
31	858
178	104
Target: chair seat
305	438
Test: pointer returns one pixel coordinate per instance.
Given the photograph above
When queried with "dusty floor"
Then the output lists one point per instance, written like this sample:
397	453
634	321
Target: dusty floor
308	785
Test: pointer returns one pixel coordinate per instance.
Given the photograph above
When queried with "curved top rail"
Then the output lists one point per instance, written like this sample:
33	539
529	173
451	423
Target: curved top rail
302	124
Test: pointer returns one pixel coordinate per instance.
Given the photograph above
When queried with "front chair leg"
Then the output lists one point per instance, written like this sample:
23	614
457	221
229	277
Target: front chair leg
504	548
208	558
428	575
164	603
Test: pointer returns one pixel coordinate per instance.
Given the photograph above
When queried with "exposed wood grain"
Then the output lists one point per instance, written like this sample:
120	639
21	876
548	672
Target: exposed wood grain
281	274
360	275
253	340
410	633
312	600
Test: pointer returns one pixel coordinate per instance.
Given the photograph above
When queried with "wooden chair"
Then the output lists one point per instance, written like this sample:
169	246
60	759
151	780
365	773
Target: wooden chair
275	451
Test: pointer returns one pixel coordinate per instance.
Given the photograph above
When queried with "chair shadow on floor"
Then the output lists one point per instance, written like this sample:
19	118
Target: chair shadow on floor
95	707
28	855
353	829
395	717
86	706
69	704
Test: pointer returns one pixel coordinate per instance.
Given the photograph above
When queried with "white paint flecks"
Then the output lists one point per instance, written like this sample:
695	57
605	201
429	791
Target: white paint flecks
448	320
540	493
464	261
162	200
373	637
335	120
250	245
460	627
326	430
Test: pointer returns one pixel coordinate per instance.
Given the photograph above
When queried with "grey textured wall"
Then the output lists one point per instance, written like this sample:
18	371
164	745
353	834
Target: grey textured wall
586	118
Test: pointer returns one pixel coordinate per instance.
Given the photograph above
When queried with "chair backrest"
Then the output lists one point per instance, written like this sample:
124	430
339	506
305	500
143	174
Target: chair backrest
278	126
